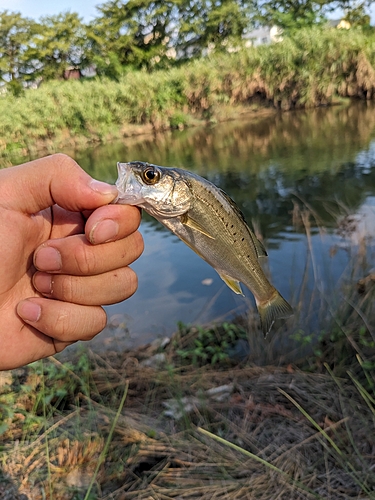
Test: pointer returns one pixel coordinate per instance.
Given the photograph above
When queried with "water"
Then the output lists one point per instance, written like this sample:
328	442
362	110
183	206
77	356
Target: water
274	167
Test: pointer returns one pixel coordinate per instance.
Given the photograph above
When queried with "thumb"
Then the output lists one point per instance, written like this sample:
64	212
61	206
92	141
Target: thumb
55	179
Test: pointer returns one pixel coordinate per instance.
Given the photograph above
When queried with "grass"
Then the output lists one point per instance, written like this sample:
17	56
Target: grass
171	422
315	67
271	433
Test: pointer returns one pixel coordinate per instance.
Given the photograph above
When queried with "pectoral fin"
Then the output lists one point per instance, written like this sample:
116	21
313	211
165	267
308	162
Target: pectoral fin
232	283
193	224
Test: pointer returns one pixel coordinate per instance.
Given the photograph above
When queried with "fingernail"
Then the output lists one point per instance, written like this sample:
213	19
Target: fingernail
48	259
103	188
29	311
43	283
103	231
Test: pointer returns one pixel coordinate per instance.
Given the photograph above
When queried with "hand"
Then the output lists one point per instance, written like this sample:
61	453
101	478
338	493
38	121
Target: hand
64	252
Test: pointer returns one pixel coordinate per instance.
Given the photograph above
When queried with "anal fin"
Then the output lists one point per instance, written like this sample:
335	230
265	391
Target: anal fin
232	283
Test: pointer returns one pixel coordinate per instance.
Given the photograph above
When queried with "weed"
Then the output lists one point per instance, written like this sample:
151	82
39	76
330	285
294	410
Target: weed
199	346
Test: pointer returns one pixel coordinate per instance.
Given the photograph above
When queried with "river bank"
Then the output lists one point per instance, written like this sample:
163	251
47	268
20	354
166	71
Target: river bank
157	423
316	67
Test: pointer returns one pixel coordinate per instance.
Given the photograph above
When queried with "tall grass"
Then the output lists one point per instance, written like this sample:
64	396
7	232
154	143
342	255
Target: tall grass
313	68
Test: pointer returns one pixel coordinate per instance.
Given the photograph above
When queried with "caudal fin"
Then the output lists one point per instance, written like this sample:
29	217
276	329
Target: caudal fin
272	309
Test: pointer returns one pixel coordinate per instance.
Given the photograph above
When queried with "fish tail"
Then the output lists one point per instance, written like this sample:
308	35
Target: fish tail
274	308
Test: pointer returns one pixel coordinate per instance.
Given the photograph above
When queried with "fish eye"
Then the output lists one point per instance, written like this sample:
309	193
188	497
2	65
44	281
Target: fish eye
150	175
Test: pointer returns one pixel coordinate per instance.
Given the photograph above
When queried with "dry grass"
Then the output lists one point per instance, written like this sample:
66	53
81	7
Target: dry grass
297	434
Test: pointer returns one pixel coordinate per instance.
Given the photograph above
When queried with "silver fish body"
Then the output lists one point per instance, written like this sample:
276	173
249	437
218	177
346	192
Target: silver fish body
209	222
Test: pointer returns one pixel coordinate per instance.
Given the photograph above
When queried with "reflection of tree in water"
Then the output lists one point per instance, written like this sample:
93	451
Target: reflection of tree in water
308	156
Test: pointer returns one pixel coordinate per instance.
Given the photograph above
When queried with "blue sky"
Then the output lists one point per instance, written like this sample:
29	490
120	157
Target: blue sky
85	8
37	8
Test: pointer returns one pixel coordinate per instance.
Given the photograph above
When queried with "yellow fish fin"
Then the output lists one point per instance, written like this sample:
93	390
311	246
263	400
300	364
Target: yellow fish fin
193	224
232	283
274	308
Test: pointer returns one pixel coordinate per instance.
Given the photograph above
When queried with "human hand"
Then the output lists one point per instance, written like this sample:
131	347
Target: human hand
56	267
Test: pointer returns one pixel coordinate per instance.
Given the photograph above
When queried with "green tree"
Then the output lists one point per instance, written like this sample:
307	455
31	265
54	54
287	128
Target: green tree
136	33
59	42
357	15
291	15
15	33
206	25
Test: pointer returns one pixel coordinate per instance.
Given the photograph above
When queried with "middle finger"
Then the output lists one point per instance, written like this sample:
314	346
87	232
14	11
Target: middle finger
74	255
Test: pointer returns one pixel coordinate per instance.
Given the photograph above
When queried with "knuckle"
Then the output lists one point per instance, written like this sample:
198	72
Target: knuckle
81	323
68	289
139	243
98	322
64	161
85	260
131	282
62	324
134	246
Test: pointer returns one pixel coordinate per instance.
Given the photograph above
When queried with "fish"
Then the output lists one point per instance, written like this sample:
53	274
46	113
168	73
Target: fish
208	221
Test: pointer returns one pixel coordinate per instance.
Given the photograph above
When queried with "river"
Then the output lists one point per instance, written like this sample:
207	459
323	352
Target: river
288	172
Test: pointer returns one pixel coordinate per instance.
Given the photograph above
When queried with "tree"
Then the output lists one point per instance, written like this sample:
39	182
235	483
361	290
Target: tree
357	16
290	15
133	33
58	43
15	32
206	25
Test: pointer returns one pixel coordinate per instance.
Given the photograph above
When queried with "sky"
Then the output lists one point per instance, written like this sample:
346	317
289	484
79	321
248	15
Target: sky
37	8
85	8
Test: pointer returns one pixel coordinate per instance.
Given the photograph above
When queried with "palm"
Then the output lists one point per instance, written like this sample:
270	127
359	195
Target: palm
18	231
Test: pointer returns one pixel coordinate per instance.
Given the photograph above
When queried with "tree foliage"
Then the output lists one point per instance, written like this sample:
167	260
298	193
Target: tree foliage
204	25
59	42
148	33
135	32
15	32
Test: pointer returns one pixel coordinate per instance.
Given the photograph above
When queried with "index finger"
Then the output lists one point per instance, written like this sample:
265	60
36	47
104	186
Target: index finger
55	179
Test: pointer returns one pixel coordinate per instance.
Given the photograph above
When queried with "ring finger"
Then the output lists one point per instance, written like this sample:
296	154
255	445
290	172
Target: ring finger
104	289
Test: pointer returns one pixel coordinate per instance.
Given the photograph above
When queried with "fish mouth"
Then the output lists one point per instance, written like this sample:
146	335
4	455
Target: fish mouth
128	191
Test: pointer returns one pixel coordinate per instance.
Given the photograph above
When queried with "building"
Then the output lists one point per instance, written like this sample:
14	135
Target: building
263	36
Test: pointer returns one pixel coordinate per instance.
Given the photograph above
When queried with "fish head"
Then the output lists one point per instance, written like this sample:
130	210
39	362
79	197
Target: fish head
160	191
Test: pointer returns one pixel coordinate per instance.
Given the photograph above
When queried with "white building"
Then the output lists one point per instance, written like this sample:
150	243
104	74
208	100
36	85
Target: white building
263	36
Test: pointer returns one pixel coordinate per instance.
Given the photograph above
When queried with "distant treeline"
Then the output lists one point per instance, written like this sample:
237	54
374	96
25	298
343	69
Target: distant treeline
151	34
313	68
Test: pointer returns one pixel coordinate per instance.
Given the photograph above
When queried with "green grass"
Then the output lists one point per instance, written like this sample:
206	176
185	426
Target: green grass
315	67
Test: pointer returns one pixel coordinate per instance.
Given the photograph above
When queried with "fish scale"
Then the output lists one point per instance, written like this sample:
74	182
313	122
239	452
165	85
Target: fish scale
210	223
244	270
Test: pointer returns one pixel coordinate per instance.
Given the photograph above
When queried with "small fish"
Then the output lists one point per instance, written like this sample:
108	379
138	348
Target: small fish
209	222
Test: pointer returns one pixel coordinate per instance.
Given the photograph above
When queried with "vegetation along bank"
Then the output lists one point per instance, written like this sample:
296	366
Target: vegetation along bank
313	67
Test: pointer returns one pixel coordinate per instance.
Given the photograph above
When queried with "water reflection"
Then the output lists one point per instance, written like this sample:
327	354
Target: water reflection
274	167
263	163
